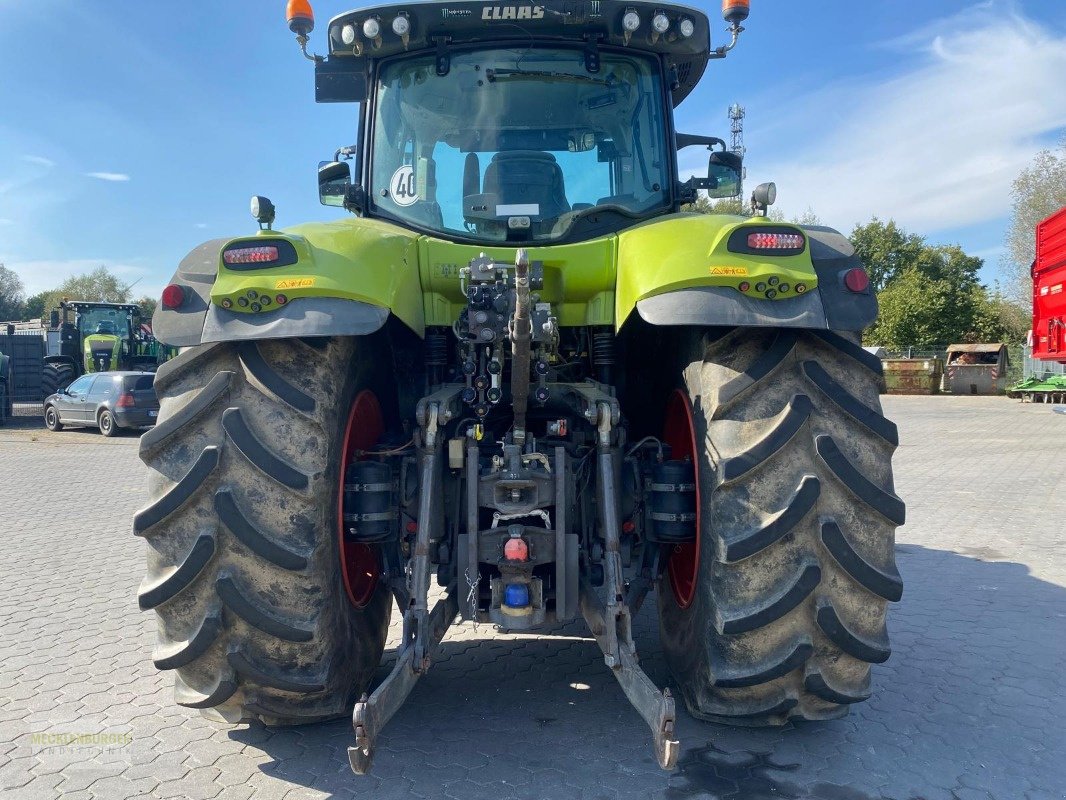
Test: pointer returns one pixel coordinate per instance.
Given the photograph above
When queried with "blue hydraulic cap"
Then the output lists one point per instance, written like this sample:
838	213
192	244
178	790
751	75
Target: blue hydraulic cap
516	595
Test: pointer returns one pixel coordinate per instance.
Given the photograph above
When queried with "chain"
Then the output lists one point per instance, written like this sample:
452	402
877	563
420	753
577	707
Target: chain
471	597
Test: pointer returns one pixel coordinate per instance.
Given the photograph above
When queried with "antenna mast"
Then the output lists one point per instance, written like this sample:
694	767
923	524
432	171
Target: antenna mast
736	130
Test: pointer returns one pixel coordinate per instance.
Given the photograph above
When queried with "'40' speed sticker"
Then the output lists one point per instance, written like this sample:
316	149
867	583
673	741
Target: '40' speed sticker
402	186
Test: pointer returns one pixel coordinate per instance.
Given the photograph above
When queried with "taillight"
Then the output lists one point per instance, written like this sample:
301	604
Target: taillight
857	280
126	400
266	254
259	254
173	296
776	241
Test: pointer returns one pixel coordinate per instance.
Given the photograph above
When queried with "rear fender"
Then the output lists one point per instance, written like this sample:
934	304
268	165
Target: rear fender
57	360
679	270
346	279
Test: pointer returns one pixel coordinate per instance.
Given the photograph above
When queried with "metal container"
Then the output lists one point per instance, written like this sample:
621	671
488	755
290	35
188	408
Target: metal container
912	375
978	369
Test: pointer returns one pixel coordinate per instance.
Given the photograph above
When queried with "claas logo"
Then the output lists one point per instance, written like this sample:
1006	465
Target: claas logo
512	12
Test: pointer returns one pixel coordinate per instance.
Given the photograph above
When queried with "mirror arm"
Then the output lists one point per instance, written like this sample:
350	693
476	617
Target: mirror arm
688	139
355	199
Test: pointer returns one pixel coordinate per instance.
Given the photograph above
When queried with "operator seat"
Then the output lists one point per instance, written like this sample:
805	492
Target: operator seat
523	177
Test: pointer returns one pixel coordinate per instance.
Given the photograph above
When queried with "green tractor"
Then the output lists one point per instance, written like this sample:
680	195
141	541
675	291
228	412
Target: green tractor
102	336
516	368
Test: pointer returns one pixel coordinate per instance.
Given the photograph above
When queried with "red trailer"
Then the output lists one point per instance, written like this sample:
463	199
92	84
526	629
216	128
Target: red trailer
1049	289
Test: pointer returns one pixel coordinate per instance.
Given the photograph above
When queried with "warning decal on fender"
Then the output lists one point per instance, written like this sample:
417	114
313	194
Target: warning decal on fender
294	283
741	271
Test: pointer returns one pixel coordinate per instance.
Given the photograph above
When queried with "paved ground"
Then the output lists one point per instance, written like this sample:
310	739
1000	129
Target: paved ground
970	705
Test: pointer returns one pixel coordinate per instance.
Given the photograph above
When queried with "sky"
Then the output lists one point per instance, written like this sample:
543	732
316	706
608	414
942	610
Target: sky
130	132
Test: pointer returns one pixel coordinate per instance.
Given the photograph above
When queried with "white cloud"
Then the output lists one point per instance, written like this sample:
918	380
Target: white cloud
108	176
936	146
201	225
40	161
4	221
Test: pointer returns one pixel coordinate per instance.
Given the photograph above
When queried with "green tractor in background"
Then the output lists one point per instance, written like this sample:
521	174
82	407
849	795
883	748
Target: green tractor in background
518	368
102	336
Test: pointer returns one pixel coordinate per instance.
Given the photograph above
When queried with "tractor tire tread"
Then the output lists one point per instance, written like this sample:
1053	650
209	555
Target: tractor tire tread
797	527
777	527
886	503
864	649
253	360
850	404
180	494
258	454
787	598
884	582
258	617
243	570
154	593
177	654
201	403
237	523
786	426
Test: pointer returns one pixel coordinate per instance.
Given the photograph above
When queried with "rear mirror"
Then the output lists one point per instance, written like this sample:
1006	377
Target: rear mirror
334	180
724	172
581	142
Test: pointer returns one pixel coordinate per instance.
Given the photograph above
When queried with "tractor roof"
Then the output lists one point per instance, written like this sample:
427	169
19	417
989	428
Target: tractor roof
437	25
82	305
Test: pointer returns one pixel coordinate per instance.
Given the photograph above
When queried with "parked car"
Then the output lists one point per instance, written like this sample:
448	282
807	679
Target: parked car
110	401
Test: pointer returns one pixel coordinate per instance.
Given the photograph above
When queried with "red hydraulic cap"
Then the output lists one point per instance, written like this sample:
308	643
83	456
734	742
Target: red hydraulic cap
857	280
516	550
173	296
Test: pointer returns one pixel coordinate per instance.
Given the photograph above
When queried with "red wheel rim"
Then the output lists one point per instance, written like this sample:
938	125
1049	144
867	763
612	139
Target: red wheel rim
359	562
680	433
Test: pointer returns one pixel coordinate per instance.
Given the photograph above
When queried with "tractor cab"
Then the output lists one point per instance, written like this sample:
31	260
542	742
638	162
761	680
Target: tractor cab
545	123
101	337
106	333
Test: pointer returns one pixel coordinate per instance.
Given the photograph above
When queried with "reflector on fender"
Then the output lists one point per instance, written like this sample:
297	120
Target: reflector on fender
776	241
251	255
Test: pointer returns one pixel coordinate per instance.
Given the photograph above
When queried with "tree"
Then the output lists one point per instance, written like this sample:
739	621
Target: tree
705	205
913	311
729	205
12	295
148	306
98	285
808	217
885	249
35	307
1038	192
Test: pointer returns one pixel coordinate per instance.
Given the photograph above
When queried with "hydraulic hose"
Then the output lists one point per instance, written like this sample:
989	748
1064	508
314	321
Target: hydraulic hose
521	336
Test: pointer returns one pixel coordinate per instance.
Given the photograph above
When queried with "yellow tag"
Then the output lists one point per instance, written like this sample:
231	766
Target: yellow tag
737	271
294	283
479	432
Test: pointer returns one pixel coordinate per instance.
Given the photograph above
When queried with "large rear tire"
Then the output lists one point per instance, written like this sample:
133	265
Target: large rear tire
243	565
55	378
783	611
